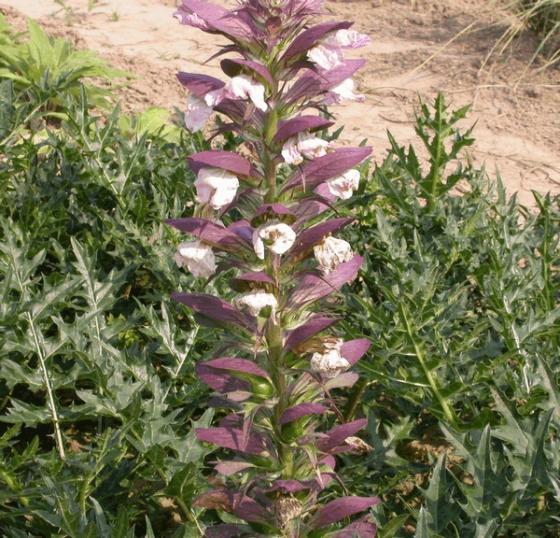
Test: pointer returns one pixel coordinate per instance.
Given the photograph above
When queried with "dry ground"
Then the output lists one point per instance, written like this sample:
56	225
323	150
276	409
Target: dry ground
518	121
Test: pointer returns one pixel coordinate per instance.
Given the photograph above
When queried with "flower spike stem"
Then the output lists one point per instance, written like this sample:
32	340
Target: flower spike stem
279	394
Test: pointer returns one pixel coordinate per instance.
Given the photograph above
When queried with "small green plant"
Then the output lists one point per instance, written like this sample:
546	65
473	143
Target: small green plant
48	70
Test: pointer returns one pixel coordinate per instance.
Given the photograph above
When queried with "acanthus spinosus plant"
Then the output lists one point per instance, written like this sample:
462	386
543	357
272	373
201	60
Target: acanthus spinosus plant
279	380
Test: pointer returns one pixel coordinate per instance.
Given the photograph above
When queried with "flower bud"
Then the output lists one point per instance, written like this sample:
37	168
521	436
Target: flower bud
256	301
331	252
344	186
277	237
197	257
216	187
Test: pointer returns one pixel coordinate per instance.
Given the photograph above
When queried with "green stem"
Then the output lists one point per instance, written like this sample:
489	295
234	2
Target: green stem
50	395
444	404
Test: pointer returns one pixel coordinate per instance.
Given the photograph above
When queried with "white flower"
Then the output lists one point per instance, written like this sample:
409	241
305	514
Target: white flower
216	187
255	301
348	39
243	87
197	113
344	186
278	237
345	91
326	57
331	252
330	363
199	109
303	145
197	257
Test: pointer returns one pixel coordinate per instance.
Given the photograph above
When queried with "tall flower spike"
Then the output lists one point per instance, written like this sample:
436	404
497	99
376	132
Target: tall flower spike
280	421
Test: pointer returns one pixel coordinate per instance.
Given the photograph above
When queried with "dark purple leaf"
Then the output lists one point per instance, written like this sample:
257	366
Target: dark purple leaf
244	282
198	84
273	209
310	37
209	232
224	531
293	127
354	350
242	229
226	160
359	529
233	67
309	329
333	77
294	486
229	468
338	434
308	85
312	84
344	380
233	502
314	235
332	165
235	110
234	439
215	19
213	308
342	508
236	365
219	380
313	287
308	209
302	410
290	486
329	461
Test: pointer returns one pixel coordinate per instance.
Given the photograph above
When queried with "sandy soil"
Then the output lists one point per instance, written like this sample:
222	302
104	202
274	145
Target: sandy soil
517	125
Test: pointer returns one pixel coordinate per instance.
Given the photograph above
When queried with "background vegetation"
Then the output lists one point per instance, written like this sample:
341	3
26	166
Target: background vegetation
97	394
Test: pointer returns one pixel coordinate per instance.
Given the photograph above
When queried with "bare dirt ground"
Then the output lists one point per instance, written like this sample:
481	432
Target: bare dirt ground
517	121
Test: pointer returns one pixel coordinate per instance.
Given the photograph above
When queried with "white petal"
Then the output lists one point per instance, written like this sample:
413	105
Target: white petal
197	257
216	187
255	301
345	90
311	146
329	363
243	87
326	58
344	186
349	39
331	252
290	151
277	237
197	113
